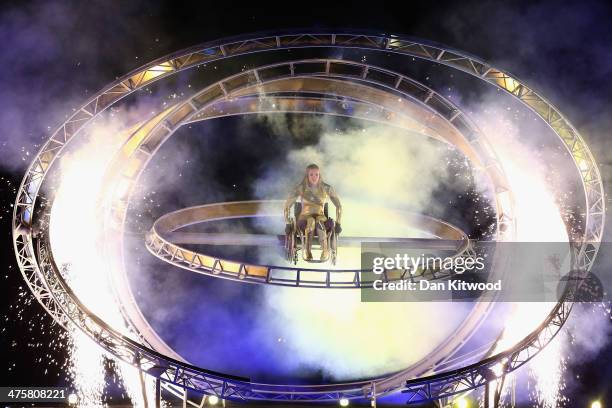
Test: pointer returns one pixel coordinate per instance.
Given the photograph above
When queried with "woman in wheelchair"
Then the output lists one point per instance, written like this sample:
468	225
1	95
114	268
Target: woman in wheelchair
312	216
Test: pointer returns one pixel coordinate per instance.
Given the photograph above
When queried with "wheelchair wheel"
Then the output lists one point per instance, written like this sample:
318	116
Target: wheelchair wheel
287	246
290	249
333	247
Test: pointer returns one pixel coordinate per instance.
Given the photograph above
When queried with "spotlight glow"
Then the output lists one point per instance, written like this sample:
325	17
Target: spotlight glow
461	402
74	241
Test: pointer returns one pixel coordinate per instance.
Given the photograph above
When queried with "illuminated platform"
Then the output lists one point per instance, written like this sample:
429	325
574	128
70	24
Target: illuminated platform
162	242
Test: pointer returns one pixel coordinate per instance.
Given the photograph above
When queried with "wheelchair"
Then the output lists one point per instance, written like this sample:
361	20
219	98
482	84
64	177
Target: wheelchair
295	240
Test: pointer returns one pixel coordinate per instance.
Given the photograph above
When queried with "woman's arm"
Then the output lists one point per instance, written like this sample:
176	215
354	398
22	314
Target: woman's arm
333	196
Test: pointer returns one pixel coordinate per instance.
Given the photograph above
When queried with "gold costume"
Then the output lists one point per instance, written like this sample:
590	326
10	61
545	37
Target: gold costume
312	215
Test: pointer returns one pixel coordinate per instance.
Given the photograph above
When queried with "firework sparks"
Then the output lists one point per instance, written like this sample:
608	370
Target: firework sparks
74	232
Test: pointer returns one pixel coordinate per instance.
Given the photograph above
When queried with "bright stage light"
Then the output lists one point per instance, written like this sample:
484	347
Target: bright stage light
596	404
213	399
344	402
461	402
72	399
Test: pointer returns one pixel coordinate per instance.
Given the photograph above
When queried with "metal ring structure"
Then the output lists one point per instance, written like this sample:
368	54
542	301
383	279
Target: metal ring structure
161	242
314	78
45	281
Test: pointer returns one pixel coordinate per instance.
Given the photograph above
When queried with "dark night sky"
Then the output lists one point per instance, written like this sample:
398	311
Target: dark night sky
56	54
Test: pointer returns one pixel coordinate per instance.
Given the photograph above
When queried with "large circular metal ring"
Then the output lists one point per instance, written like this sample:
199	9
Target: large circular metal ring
46	283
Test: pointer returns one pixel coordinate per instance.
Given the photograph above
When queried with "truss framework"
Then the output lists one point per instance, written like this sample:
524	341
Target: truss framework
468	137
174	254
241	85
56	300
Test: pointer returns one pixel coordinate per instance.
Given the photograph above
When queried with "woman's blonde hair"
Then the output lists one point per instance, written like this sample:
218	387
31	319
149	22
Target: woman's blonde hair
304	182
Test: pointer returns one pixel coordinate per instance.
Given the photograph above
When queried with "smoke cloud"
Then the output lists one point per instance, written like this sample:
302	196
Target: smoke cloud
374	169
58	55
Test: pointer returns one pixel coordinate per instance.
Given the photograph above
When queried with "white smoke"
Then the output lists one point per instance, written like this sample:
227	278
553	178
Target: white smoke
542	178
374	169
75	233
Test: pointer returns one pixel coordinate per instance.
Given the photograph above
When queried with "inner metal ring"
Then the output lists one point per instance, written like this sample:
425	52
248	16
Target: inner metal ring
161	242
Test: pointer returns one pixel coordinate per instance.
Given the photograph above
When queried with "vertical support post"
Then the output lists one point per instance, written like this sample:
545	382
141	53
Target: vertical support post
157	393
442	403
513	393
499	387
373	396
143	384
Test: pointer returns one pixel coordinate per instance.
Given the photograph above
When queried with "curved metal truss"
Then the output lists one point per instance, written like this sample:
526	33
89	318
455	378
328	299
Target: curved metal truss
491	369
347	81
347	78
158	242
46	283
381	104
